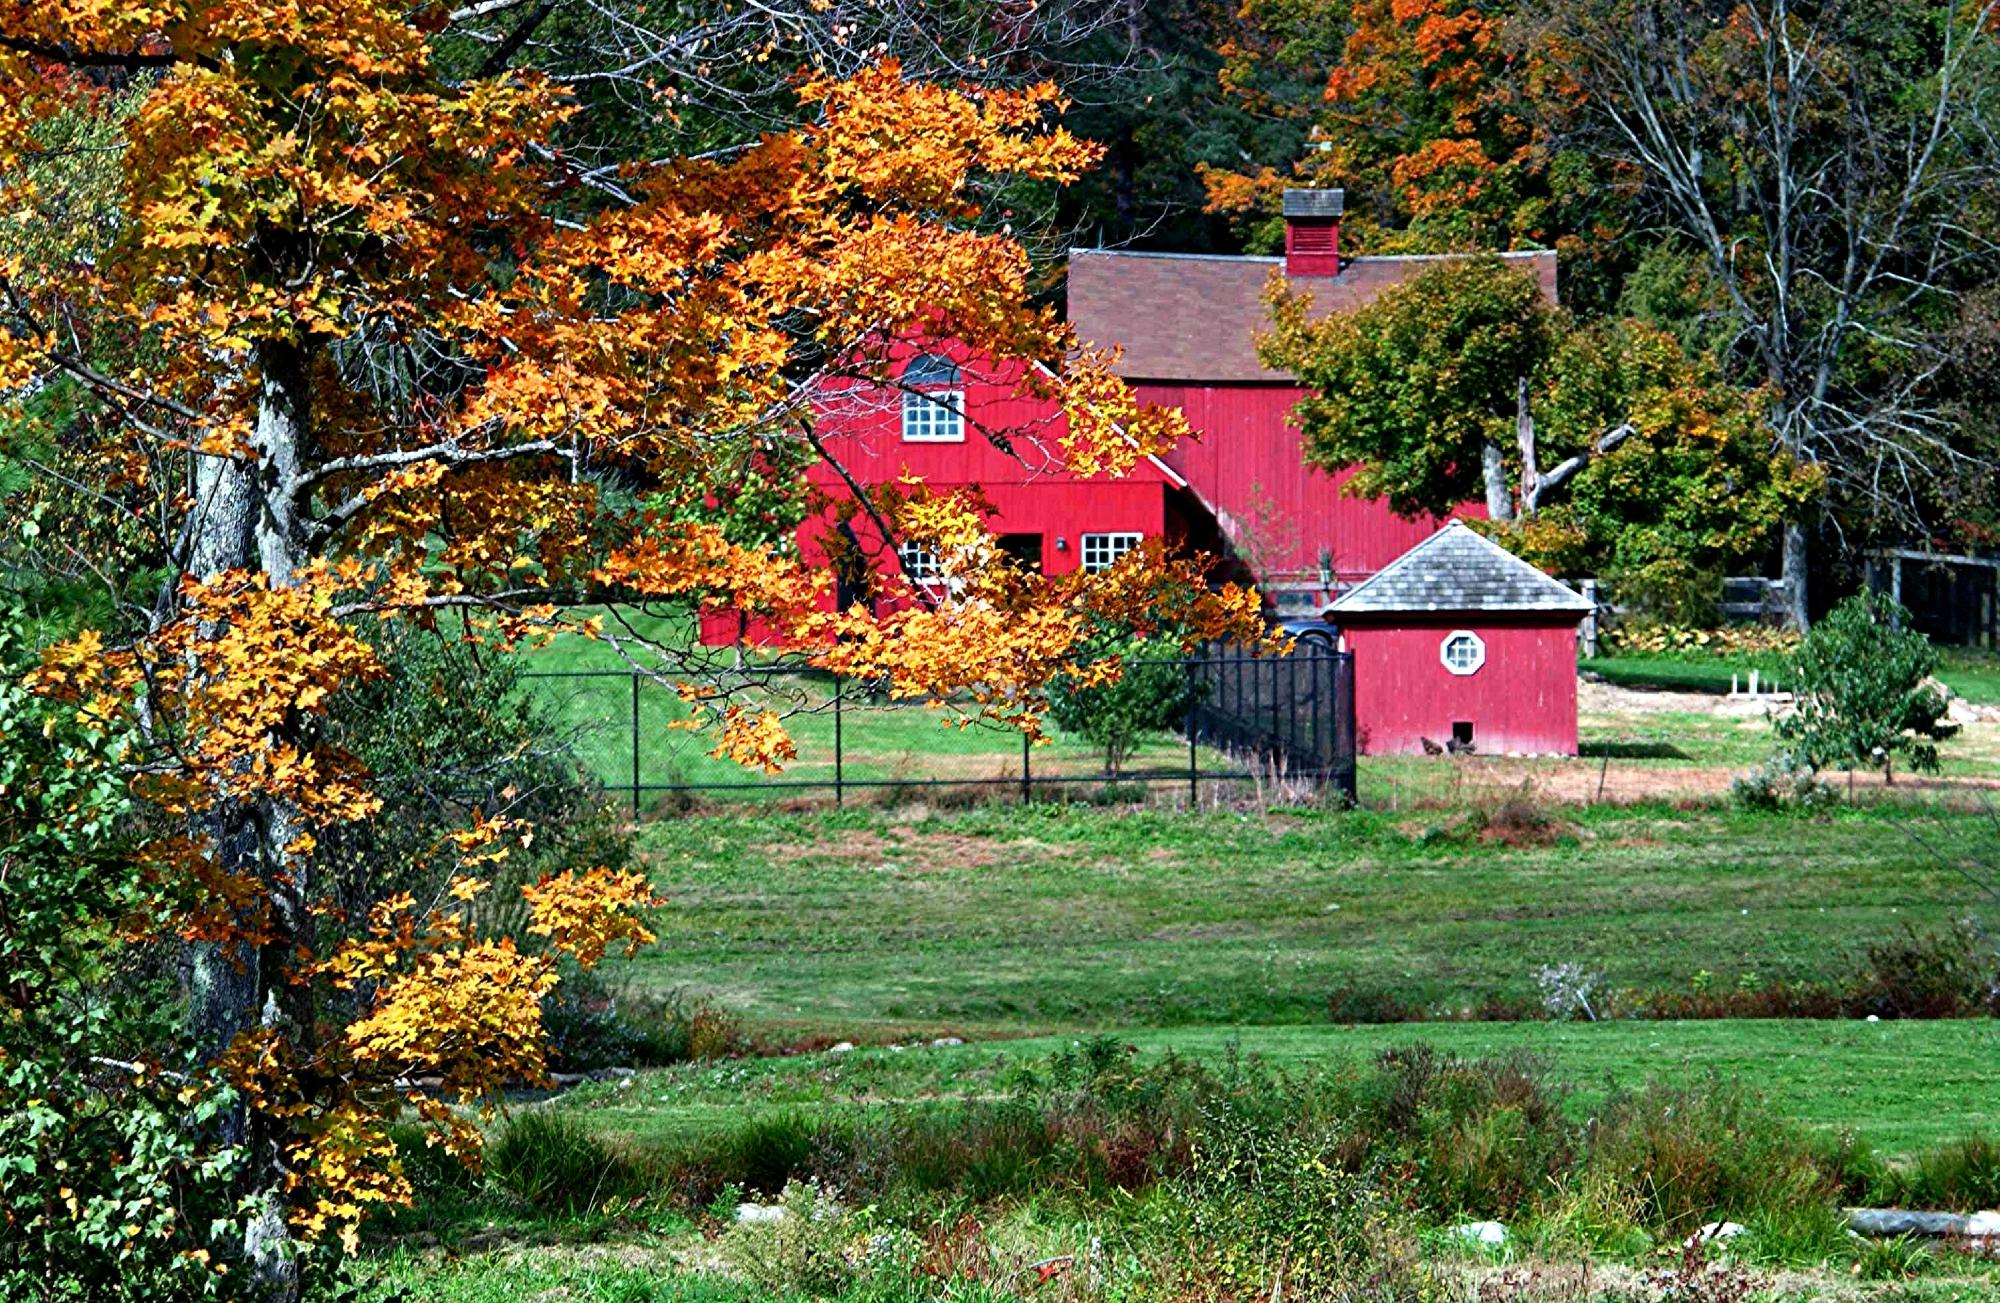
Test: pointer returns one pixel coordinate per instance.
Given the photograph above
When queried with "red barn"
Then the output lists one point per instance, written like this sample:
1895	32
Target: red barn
1188	326
1461	644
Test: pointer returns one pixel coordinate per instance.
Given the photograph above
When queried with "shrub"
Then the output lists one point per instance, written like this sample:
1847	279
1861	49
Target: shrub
1864	691
1261	1212
552	1160
1518	819
1693	1155
1350	1003
1946	973
1150	695
1657	639
1479	1137
1961	1177
1784	782
594	1021
816	1247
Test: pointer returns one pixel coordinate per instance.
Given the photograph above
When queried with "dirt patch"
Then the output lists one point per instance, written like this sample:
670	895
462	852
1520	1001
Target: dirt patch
853	846
1491	779
911	850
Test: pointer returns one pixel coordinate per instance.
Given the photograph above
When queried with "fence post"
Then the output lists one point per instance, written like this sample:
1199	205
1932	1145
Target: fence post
839	763
1027	779
1194	761
635	744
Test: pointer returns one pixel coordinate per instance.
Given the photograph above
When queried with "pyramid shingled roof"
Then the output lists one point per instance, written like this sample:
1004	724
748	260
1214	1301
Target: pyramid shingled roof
1459	569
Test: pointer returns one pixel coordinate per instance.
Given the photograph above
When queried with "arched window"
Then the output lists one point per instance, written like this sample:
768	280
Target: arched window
933	401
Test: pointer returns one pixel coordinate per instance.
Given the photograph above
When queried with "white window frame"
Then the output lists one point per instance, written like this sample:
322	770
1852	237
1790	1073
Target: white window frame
922	566
1474	665
933	407
1099	552
934	416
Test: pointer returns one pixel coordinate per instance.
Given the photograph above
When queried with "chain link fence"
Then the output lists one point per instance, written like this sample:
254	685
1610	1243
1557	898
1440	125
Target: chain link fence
1250	720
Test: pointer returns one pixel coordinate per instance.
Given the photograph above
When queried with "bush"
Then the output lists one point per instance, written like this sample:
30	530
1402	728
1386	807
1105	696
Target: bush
1782	783
445	733
816	1247
552	1160
1961	1177
1863	691
1695	1155
594	1021
1151	694
1653	638
1948	973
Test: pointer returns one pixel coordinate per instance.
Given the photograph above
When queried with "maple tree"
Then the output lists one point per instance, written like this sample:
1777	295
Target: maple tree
1825	171
350	354
1430	114
1596	446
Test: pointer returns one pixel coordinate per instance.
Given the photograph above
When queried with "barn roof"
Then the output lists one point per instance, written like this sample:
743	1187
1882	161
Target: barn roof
1459	569
1194	316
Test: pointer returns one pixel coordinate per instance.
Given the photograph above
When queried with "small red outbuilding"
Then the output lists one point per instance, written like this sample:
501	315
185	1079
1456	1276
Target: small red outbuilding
1461	644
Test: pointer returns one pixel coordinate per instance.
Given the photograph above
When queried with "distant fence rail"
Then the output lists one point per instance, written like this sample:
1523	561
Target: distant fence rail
1252	719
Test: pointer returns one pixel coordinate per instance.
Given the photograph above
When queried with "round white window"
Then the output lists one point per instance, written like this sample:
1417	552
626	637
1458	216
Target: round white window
1462	652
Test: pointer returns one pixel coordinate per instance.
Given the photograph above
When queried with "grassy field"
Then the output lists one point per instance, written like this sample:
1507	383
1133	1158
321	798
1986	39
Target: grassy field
1970	672
1008	919
1902	1085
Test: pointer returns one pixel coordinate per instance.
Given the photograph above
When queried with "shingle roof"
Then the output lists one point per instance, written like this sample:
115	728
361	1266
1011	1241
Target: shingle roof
1182	316
1314	203
1458	569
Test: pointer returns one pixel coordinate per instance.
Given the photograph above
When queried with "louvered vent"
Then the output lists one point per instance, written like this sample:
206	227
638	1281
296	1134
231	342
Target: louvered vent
1314	237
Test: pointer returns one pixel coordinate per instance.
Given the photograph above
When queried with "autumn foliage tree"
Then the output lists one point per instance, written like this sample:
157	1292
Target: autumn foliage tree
356	349
1598	446
1427	112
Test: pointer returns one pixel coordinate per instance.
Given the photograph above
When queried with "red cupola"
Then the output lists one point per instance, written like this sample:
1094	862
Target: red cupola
1312	232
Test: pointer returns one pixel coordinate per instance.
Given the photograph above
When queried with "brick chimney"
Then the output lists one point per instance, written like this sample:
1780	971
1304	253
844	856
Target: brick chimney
1312	232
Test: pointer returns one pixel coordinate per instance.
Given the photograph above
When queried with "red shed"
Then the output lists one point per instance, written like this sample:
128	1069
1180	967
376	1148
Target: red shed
1461	644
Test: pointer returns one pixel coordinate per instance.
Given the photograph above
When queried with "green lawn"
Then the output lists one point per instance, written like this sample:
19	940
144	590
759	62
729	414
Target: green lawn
1053	918
1684	674
1970	672
1902	1085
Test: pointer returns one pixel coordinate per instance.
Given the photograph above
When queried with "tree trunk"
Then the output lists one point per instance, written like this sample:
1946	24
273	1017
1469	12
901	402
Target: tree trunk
1499	501
249	521
1794	576
1524	435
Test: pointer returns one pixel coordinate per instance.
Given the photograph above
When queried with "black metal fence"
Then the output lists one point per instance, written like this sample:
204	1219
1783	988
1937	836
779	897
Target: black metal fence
1251	720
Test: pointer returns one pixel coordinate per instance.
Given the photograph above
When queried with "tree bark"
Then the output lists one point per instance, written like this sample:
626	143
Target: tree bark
1794	580
1524	435
248	514
1499	500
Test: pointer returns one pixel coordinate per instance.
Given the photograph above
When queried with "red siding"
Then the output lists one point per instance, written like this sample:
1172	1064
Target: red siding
1248	453
1030	489
1522	700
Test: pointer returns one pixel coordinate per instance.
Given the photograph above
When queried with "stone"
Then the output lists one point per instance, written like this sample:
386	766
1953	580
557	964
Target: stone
845	1047
1491	1235
750	1214
1983	1226
1715	1231
947	1040
1889	1223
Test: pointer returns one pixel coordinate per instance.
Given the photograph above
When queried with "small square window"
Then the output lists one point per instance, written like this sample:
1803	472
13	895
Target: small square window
933	400
934	416
1101	551
921	565
1462	652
